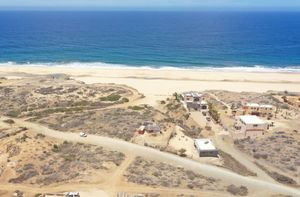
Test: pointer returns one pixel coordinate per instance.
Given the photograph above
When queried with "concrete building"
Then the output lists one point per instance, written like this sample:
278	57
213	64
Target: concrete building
205	148
249	126
192	100
258	110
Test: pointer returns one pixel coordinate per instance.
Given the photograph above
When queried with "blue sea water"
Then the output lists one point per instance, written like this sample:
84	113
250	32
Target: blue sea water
155	39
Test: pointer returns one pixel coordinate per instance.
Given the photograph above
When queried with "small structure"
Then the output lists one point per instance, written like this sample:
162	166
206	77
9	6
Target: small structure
249	126
205	148
149	127
258	110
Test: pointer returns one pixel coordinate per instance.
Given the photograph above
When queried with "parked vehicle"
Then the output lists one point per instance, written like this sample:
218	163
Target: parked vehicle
83	134
72	194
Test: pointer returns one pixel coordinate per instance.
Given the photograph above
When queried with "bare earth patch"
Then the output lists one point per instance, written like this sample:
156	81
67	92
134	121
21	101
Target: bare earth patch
152	173
281	150
35	159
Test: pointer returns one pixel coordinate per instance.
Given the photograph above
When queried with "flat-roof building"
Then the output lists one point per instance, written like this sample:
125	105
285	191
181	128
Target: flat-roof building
250	126
258	110
205	148
193	101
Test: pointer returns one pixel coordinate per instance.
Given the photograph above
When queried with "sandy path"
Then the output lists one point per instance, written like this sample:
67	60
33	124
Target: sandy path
115	144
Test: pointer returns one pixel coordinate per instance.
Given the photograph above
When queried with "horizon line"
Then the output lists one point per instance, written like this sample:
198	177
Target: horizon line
163	8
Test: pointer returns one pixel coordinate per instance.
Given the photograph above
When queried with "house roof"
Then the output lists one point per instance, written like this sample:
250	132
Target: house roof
193	94
252	105
203	102
152	128
204	144
250	119
258	105
266	106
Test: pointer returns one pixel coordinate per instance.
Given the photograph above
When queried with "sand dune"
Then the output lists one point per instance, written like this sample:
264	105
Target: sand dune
157	84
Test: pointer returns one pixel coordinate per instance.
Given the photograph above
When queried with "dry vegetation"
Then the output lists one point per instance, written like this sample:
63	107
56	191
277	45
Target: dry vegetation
151	173
43	95
236	98
116	122
280	150
32	158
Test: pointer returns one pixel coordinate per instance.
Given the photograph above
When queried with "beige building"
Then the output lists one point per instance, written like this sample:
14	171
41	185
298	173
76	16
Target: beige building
258	110
249	126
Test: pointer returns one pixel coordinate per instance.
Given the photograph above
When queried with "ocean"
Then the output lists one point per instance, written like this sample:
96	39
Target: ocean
160	39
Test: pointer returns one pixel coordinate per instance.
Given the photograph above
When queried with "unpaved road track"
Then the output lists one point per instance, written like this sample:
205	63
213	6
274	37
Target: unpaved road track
229	149
253	183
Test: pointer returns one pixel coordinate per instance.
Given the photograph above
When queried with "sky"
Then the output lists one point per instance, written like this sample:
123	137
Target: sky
150	4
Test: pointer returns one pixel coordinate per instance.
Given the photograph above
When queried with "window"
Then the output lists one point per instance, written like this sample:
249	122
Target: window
255	125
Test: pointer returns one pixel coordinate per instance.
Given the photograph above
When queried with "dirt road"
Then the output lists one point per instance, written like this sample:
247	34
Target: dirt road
228	148
254	184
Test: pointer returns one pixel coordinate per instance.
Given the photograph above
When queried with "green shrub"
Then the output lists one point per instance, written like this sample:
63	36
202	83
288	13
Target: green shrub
125	100
81	103
111	97
9	121
136	107
55	148
13	113
213	112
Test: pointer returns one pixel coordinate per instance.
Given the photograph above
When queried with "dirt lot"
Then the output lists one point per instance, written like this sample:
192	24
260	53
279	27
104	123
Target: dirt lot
30	158
42	95
280	150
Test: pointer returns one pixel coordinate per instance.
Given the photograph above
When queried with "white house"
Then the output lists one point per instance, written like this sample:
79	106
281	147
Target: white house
205	148
249	126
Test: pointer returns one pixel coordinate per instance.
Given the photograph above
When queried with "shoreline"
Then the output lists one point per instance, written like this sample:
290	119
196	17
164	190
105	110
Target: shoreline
109	66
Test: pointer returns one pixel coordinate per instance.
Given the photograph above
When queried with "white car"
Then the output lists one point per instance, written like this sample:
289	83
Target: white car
83	134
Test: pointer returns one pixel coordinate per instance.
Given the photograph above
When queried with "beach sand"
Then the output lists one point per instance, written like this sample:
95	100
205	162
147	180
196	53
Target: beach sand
157	84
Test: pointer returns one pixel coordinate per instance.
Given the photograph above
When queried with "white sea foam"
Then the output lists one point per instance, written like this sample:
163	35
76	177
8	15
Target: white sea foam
102	65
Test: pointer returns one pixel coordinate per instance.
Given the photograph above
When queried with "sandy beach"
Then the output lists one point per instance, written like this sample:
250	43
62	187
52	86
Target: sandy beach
156	84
